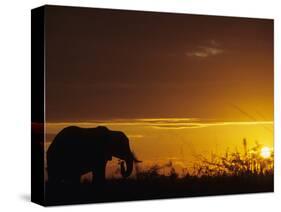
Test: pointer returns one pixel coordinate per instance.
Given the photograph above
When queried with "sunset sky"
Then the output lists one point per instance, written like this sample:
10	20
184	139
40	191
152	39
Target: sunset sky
178	85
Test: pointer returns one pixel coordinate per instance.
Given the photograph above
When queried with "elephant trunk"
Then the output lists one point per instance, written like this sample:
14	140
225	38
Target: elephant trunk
126	172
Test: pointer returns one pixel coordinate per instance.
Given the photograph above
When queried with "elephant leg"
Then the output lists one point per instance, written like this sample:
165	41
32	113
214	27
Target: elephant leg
73	179
54	177
54	180
99	174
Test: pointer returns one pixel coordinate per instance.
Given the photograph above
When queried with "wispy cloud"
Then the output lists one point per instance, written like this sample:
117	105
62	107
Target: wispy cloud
211	48
211	124
135	136
163	123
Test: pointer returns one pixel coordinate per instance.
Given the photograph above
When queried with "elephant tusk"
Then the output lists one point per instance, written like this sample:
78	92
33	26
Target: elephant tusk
135	158
137	161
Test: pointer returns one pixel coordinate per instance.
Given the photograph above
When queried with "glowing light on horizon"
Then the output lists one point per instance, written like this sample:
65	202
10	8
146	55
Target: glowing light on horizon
265	152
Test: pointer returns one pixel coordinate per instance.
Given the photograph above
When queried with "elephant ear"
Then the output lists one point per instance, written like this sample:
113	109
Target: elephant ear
108	148
104	135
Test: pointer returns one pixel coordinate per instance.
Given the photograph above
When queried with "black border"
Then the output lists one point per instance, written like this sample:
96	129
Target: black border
37	104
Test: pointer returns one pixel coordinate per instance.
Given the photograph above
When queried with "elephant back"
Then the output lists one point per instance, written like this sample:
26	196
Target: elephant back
77	142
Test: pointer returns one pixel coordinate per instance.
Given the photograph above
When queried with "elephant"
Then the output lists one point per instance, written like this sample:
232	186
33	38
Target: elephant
76	151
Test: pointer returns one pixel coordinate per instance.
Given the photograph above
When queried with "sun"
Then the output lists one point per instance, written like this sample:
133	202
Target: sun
265	152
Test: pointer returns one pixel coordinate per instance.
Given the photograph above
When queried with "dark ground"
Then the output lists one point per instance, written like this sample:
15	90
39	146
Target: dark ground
157	188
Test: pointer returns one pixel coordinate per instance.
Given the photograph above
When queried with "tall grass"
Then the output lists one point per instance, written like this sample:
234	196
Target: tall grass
246	163
249	162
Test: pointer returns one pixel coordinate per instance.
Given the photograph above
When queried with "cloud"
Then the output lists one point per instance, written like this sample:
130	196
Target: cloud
210	124
163	123
135	136
211	48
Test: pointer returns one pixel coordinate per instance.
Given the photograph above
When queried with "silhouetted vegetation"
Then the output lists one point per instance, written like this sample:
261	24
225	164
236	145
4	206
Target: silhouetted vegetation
231	173
250	162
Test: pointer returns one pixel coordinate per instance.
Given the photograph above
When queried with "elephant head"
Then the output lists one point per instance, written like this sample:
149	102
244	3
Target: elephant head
120	148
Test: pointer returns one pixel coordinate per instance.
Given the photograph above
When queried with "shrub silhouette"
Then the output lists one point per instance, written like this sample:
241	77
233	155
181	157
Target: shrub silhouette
231	173
236	163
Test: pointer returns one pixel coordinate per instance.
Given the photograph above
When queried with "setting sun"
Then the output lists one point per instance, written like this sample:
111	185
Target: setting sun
265	152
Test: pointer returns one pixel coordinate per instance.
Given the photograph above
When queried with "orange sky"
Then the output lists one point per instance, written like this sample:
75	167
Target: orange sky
177	84
158	141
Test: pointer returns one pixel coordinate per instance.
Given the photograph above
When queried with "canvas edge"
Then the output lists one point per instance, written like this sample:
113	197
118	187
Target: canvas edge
37	104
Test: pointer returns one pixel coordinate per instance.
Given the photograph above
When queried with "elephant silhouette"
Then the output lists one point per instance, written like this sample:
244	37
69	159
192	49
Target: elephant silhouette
75	151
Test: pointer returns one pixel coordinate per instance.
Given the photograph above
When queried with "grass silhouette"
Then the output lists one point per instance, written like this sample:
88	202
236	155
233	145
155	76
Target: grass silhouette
231	173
